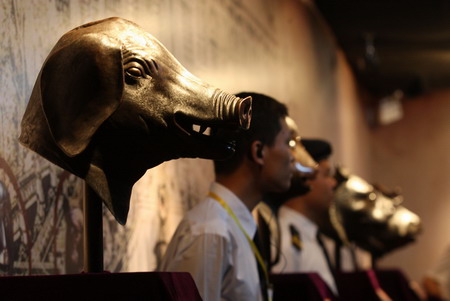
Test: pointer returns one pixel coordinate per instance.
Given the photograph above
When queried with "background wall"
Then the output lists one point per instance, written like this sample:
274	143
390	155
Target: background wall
413	154
277	47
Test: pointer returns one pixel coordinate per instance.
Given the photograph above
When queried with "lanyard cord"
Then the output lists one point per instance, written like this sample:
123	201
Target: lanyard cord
250	241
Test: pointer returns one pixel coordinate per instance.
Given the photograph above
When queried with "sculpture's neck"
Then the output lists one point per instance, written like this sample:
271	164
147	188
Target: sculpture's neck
120	160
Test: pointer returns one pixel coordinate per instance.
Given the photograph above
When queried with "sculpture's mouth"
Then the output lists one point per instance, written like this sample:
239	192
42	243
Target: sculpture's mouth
192	127
209	140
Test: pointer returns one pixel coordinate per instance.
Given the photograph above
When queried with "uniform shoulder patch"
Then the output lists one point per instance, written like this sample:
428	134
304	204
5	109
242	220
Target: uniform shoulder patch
296	240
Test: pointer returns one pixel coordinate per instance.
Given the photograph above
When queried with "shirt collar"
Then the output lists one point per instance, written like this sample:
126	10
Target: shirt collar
306	227
237	206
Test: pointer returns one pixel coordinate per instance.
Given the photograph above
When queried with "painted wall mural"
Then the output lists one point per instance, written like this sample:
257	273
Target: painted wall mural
259	45
40	225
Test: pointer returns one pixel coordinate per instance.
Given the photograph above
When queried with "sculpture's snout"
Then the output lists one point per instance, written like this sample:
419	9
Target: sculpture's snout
413	223
305	165
233	109
415	227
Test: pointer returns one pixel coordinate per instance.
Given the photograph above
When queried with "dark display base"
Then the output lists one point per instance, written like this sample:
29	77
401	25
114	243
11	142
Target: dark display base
155	286
351	286
357	286
301	286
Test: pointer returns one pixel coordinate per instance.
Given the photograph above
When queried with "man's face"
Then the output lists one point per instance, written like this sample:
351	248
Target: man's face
278	162
321	192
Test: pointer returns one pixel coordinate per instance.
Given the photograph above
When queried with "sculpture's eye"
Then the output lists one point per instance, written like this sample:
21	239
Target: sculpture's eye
134	71
137	66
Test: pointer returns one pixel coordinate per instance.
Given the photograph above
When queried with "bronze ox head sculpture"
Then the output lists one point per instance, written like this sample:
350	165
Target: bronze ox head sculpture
370	217
111	102
305	165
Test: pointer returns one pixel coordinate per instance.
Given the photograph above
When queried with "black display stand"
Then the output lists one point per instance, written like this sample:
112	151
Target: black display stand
92	231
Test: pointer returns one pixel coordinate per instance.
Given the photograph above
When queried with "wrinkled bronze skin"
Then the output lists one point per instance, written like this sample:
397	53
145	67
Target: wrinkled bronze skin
373	218
111	102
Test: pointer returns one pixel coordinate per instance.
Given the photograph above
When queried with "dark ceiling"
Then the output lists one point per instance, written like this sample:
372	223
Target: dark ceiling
393	44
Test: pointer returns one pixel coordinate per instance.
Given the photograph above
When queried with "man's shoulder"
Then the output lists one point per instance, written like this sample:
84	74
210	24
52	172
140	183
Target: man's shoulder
207	217
289	215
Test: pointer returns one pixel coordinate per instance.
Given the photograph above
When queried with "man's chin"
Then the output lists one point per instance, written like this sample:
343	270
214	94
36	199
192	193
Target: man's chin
283	188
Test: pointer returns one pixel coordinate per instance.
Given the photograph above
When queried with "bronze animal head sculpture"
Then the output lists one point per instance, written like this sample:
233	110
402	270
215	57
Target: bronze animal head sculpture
111	102
370	217
305	165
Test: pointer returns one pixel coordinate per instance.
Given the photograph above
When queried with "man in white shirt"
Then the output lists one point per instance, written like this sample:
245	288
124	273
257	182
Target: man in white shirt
301	249
436	282
214	240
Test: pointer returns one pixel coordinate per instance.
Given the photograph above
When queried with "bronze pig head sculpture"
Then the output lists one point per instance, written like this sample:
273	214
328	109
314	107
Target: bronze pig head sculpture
371	217
111	102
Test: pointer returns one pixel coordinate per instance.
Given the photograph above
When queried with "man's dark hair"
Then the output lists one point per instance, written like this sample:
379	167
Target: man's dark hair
319	149
265	126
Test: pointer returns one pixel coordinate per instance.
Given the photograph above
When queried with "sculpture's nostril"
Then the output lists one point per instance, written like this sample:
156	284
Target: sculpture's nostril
244	111
232	109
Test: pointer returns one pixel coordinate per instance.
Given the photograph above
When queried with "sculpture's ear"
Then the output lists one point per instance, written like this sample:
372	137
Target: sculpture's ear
81	86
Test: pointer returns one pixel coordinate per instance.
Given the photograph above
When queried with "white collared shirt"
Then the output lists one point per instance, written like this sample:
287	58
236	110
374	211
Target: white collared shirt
209	244
441	273
308	258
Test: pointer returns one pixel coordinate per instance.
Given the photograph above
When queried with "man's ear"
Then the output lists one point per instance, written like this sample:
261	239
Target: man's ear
257	152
